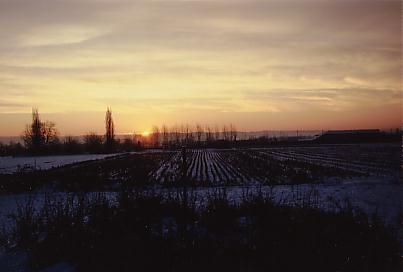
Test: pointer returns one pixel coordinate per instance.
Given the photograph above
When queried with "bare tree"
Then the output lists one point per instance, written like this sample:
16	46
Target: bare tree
93	142
134	138
199	133
233	133
165	136
216	133
188	134
138	140
71	145
225	133
182	133
109	131
209	134
155	136
50	132
127	144
176	135
35	134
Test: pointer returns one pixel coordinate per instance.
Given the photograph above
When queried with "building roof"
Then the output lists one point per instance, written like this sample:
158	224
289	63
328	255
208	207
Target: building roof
349	132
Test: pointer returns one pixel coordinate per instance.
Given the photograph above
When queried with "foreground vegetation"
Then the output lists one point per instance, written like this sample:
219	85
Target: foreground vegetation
148	231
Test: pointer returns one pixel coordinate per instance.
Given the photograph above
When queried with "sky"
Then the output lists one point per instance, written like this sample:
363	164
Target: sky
261	65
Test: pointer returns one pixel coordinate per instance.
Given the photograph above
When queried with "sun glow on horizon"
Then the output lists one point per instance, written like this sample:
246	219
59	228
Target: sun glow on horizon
145	133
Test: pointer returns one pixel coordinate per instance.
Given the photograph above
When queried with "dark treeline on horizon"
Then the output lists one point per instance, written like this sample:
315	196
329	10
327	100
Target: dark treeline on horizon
43	138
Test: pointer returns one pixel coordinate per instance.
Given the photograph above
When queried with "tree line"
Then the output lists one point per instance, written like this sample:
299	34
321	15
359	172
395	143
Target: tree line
43	137
197	136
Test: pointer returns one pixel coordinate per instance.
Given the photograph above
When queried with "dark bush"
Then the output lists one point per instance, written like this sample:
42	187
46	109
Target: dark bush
149	231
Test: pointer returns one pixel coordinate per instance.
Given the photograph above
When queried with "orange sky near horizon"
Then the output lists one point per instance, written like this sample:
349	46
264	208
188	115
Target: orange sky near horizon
261	65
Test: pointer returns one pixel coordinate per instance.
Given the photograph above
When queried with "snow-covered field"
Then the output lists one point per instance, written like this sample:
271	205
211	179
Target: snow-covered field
218	167
203	166
378	191
365	158
375	188
13	164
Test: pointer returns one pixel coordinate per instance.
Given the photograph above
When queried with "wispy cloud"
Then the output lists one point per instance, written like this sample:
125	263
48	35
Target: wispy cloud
219	58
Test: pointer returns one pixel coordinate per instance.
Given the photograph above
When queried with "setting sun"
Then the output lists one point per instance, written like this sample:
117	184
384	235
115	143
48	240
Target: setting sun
145	133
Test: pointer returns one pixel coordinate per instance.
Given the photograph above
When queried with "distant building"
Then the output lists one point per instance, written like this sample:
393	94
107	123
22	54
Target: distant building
353	132
355	136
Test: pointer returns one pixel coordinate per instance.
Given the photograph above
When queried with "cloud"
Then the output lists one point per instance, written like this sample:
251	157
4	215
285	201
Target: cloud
59	35
345	99
159	57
